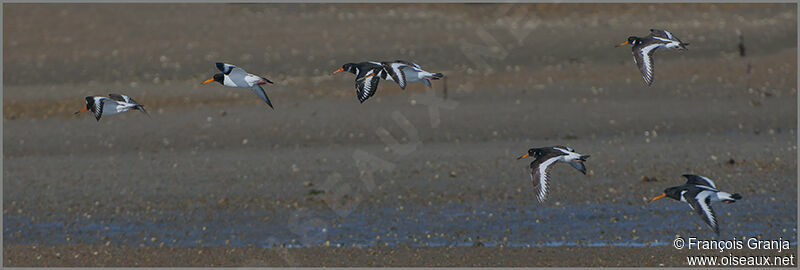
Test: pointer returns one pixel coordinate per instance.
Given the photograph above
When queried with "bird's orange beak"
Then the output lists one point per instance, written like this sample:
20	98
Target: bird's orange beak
338	70
658	197
523	156
208	81
83	110
622	44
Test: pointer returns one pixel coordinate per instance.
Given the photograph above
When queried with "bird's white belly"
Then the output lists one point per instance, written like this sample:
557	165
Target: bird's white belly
672	45
235	83
111	108
251	80
413	76
409	78
720	196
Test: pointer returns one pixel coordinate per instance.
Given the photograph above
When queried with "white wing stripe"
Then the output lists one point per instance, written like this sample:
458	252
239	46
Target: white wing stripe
543	177
645	54
710	183
401	78
663	39
701	200
562	150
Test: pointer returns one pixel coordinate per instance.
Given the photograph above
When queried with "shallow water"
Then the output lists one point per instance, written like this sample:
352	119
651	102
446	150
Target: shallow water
510	223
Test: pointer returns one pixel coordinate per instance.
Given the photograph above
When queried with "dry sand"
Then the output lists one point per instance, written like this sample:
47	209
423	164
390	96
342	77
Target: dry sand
215	164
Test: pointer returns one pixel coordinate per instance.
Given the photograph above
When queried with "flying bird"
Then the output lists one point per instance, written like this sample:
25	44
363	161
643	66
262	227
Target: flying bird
113	104
643	48
368	75
699	192
403	72
544	158
366	79
233	76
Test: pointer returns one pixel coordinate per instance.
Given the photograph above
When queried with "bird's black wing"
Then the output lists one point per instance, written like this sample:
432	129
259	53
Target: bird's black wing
700	201
97	109
118	97
540	174
367	84
225	68
395	70
697	180
262	94
643	56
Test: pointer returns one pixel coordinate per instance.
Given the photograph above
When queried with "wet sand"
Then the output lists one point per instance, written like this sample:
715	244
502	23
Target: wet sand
216	170
79	255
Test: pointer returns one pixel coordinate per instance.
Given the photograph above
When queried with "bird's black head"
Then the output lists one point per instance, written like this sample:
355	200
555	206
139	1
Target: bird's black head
671	192
631	40
89	102
89	105
219	77
533	152
349	67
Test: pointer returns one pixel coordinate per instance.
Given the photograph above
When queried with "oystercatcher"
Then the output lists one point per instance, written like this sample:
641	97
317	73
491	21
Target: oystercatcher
643	48
368	74
113	104
545	157
699	192
403	72
234	76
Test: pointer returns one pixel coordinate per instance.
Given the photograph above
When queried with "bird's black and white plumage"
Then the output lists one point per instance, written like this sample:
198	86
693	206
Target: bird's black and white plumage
368	75
403	72
113	104
644	47
544	158
234	76
699	192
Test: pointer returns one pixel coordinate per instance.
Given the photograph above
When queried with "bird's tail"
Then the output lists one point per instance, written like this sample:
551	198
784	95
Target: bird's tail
437	76
728	198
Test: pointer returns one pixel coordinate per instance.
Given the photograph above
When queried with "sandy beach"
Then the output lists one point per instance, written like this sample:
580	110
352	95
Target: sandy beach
80	255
